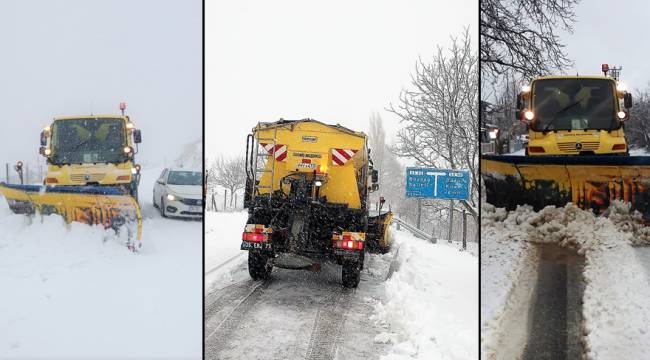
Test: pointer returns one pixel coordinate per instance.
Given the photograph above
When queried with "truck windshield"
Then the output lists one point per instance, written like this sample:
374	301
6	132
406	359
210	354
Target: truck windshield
574	104
88	141
185	178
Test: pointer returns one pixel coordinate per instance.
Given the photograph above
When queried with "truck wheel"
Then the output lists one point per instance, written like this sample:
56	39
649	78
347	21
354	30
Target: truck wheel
351	274
259	265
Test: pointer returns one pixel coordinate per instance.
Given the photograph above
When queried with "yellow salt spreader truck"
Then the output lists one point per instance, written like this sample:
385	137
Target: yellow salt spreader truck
91	177
577	151
307	193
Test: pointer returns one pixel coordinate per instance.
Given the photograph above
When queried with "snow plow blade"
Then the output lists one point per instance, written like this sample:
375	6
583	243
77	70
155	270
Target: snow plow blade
377	237
92	205
591	182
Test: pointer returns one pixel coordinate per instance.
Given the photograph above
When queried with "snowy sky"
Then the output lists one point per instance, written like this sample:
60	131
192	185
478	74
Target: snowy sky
613	33
336	61
73	57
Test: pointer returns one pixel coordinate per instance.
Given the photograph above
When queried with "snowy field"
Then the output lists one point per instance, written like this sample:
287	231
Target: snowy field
616	315
77	292
426	309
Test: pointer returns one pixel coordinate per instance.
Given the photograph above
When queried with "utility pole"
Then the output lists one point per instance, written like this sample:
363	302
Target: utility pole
225	197
464	230
451	218
419	213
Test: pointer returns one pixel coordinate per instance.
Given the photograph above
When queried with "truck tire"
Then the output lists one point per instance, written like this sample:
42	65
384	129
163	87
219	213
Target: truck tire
259	265
351	274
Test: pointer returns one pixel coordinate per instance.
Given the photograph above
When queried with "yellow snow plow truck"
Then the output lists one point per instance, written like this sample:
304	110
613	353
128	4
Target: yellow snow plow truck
307	197
91	174
577	151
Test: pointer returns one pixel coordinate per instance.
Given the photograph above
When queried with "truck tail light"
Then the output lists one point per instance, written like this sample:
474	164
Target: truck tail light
349	240
254	237
536	149
618	147
51	180
256	233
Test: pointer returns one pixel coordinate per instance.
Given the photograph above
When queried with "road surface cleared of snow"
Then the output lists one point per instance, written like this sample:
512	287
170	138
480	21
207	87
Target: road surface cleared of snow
617	288
426	309
75	291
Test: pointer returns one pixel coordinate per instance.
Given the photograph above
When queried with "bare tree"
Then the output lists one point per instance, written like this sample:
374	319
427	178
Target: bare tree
637	129
521	35
440	113
229	173
502	113
377	141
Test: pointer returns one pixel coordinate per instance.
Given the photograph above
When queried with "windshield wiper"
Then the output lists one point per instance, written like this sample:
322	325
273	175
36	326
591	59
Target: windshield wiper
559	112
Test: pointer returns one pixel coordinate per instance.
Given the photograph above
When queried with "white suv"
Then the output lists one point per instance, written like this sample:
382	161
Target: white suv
179	193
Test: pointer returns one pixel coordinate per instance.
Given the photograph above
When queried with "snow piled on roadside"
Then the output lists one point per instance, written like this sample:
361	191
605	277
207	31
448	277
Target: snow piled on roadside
616	312
75	291
432	302
508	266
222	243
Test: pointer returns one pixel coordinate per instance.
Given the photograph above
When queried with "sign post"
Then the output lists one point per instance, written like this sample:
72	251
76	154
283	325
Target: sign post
441	184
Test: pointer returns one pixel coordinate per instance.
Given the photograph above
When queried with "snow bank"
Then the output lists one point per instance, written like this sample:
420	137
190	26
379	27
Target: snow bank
508	276
75	291
617	289
222	247
431	304
192	156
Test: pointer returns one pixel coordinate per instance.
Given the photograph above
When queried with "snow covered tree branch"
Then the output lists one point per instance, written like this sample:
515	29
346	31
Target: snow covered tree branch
521	35
229	173
440	113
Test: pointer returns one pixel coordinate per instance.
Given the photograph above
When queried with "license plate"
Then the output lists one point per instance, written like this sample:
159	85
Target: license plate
196	209
247	245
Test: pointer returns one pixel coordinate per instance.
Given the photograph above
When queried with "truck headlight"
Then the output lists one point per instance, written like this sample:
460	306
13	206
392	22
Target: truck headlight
318	183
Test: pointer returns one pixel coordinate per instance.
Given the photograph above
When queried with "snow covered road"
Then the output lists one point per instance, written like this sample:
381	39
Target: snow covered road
616	287
428	309
76	291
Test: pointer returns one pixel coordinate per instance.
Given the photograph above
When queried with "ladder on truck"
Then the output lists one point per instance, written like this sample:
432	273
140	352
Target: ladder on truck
256	169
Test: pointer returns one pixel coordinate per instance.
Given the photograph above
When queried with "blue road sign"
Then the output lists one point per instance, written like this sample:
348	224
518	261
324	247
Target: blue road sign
437	183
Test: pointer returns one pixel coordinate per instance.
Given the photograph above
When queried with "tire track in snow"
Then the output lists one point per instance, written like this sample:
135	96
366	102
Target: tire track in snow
328	325
228	261
225	311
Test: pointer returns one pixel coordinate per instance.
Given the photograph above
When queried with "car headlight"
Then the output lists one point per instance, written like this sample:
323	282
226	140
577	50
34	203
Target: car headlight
171	197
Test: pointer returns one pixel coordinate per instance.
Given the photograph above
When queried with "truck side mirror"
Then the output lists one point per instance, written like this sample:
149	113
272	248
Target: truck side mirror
627	100
375	176
43	138
137	136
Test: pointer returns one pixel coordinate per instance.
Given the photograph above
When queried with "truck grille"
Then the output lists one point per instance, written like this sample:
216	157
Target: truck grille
195	202
571	146
86	178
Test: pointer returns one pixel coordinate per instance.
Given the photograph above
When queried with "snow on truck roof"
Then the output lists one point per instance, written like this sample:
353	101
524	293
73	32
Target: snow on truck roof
283	122
91	117
554	77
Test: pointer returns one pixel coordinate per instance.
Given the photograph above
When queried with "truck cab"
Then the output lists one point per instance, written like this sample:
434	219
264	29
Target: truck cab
575	115
94	150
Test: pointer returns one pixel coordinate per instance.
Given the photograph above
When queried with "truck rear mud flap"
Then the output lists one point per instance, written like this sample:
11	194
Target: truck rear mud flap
590	182
91	205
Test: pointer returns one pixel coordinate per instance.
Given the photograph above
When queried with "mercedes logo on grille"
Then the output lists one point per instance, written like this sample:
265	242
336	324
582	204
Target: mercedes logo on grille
578	146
